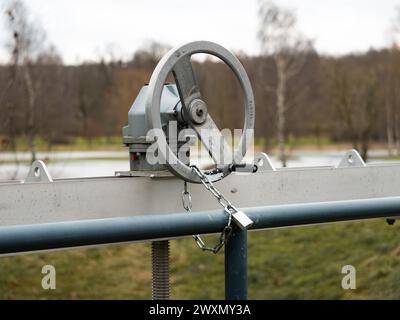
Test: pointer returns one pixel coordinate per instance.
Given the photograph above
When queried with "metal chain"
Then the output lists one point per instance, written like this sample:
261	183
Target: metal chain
225	203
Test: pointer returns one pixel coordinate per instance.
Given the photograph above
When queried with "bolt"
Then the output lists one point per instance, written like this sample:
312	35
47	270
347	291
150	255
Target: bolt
197	111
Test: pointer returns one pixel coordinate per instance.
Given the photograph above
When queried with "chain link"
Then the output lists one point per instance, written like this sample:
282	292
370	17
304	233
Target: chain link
224	202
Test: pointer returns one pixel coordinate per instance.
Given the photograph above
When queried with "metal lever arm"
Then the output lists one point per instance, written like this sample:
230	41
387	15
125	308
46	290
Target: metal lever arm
196	113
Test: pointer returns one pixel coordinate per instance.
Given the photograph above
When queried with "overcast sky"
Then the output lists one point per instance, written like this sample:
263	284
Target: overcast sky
88	29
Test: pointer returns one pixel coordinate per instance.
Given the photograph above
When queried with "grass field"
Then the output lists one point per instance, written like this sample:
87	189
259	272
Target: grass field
113	143
294	263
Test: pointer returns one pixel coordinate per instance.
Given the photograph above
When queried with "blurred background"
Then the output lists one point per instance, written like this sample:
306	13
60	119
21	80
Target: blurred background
325	75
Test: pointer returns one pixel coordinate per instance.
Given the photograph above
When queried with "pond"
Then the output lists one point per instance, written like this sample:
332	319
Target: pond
72	164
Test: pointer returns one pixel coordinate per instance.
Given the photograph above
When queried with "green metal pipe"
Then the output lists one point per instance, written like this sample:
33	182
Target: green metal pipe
35	237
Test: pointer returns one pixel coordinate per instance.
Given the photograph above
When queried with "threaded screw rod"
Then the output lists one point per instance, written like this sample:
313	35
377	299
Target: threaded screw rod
160	270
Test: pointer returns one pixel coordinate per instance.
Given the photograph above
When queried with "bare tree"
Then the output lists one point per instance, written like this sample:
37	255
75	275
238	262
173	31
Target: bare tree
93	80
148	56
355	92
390	75
278	38
391	79
8	117
27	39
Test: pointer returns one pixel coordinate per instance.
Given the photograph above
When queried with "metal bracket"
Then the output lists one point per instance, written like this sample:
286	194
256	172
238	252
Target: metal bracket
351	159
263	162
38	173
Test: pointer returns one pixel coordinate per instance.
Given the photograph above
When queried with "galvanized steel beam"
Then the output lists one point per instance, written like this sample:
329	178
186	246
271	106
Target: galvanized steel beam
98	198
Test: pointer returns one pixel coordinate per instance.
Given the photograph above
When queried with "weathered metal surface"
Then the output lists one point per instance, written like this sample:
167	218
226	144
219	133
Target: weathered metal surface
96	198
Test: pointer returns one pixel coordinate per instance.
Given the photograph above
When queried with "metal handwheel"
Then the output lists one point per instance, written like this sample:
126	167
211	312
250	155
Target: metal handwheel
194	109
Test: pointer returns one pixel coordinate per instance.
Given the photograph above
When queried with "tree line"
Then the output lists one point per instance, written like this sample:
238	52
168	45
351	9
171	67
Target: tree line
298	92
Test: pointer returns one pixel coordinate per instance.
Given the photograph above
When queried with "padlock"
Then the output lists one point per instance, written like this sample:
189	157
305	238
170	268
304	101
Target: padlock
242	220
